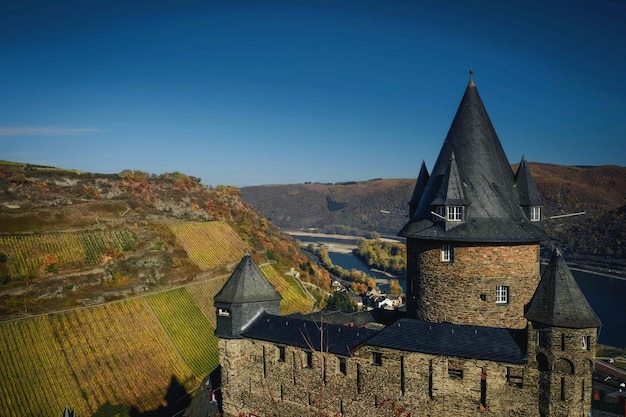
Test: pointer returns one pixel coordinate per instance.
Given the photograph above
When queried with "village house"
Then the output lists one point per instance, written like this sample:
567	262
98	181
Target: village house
484	333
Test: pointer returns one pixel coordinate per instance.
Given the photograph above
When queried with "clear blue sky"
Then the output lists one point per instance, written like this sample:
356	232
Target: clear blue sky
273	92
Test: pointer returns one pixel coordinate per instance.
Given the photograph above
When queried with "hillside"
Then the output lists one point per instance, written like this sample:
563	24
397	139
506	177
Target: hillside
125	268
380	206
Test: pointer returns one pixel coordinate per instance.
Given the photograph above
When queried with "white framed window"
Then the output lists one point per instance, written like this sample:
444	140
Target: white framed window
502	294
446	253
586	343
535	214
454	213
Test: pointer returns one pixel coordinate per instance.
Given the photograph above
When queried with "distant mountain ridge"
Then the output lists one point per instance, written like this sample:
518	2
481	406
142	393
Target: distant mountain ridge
381	206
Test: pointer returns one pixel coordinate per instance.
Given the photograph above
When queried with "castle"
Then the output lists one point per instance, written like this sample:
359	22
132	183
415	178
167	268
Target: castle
485	333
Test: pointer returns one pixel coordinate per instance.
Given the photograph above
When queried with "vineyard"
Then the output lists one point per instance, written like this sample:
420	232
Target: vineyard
295	299
116	353
123	353
30	255
188	328
209	245
203	293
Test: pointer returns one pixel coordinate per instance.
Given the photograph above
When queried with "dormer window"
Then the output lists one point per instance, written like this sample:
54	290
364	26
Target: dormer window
535	213
454	213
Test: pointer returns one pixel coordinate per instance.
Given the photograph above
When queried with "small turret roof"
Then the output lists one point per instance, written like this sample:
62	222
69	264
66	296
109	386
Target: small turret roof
558	300
526	187
472	170
247	284
420	185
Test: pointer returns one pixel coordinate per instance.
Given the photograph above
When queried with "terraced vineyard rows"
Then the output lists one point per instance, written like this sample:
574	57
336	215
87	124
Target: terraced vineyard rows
116	353
209	244
294	298
203	294
28	255
188	328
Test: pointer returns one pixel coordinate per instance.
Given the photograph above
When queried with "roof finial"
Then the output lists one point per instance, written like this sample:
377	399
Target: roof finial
471	81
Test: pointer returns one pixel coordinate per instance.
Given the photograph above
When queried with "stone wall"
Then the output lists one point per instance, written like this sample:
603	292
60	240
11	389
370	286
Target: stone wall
565	363
255	381
463	291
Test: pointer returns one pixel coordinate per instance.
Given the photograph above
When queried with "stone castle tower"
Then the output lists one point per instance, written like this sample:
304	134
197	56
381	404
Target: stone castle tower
245	294
485	332
474	229
562	334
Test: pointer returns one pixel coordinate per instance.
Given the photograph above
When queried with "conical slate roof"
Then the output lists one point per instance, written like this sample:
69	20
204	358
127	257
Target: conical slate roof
526	187
558	301
247	284
472	170
418	190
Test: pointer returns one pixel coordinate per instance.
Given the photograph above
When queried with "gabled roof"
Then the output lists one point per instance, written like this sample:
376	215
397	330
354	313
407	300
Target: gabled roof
306	334
446	339
473	167
247	284
526	187
450	190
558	300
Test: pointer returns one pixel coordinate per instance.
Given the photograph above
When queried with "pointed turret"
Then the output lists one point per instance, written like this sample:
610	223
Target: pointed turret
562	339
246	293
529	197
472	249
418	190
558	300
490	209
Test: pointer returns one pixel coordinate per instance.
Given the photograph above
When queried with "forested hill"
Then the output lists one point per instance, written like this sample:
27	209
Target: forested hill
381	205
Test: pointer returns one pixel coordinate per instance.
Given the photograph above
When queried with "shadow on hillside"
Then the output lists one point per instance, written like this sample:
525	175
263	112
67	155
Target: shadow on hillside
176	400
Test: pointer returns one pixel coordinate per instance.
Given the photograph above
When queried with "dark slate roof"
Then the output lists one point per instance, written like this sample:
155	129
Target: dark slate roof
292	331
450	191
418	190
247	284
473	169
356	319
446	339
558	300
526	187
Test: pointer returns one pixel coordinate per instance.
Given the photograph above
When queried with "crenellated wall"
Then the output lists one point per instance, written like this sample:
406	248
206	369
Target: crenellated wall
255	381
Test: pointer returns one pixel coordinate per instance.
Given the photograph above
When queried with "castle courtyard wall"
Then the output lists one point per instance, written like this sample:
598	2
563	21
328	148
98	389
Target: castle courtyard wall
255	381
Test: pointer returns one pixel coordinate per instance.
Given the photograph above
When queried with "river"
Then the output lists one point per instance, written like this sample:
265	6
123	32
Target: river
607	295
